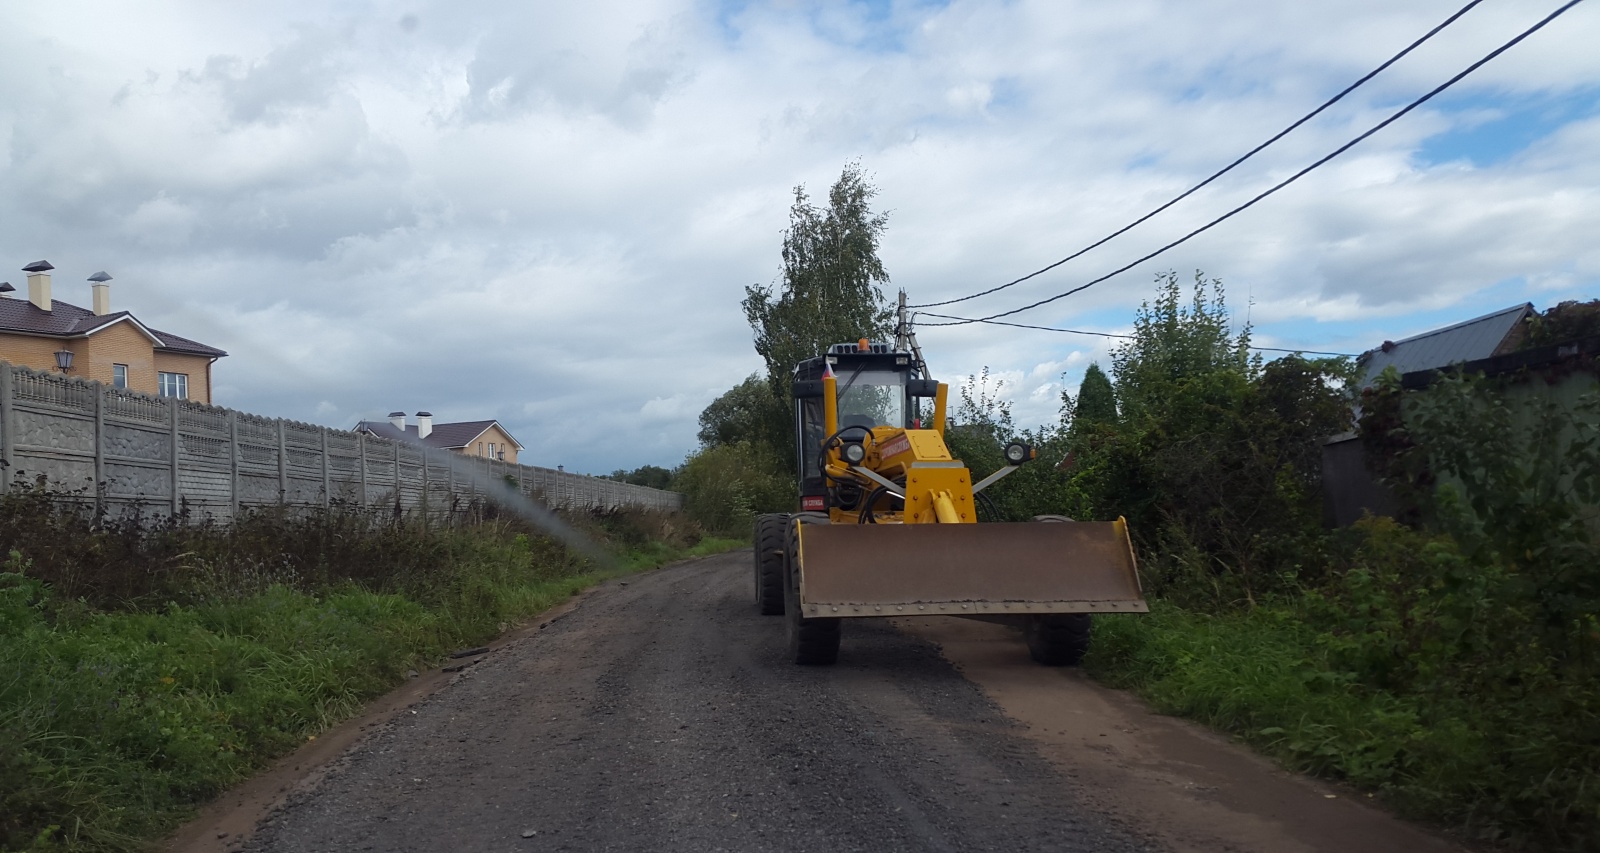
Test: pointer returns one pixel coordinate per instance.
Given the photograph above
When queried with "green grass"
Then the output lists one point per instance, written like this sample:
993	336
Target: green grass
1259	675
656	554
1516	763
115	723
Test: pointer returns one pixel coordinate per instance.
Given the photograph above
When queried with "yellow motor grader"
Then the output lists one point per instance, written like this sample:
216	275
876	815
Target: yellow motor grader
889	523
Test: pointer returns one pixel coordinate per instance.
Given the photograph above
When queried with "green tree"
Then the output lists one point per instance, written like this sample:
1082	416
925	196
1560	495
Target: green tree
831	285
749	411
1096	402
654	476
1175	345
1215	458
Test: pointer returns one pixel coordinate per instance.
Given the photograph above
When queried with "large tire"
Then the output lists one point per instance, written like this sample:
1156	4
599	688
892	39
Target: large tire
1057	639
812	642
769	548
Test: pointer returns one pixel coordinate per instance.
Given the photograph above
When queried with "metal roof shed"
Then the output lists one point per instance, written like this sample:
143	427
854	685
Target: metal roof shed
1471	340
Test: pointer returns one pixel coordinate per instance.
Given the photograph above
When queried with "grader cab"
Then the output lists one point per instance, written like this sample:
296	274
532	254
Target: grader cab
889	523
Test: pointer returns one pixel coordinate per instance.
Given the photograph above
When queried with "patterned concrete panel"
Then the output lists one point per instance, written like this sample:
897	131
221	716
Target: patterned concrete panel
68	473
52	430
127	480
226	457
137	442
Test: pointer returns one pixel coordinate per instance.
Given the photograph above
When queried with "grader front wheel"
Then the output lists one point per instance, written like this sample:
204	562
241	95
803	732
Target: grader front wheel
812	642
1057	639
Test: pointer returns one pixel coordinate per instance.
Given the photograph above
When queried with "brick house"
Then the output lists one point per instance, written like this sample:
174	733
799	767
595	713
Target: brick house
112	348
472	438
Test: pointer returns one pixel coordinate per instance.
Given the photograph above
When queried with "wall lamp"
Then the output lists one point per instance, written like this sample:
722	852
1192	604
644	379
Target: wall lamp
64	359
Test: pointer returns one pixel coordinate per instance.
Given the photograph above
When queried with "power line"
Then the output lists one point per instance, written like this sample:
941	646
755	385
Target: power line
1225	170
1289	180
1108	334
1020	326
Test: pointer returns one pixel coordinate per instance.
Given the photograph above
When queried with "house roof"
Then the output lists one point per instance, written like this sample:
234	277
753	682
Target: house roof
1471	340
443	436
66	320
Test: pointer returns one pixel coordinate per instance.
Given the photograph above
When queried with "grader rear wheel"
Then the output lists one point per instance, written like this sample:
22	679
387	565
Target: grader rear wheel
769	555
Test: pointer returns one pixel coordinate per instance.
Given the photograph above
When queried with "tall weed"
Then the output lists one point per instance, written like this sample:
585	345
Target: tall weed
142	671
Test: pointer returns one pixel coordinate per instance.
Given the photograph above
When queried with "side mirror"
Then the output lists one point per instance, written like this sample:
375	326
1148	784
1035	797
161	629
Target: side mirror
806	389
923	387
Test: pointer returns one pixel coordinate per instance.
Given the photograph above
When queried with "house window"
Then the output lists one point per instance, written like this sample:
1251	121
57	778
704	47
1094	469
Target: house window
491	450
119	376
175	385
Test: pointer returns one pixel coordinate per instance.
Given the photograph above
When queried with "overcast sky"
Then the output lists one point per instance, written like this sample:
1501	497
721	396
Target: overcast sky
547	213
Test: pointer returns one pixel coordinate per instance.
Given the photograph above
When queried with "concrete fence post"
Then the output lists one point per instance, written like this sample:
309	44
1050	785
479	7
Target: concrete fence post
173	445
8	424
327	484
233	464
361	445
100	392
283	465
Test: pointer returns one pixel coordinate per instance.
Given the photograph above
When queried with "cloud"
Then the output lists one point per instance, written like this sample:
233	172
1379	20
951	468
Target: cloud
547	213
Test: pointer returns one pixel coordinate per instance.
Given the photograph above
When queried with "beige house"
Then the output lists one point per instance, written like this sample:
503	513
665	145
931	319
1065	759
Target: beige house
487	439
112	348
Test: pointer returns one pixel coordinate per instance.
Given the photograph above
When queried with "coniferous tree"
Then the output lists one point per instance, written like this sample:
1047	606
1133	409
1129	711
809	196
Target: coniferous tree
1096	402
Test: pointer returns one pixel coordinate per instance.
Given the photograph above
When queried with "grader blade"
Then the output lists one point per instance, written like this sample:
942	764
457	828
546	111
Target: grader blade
849	570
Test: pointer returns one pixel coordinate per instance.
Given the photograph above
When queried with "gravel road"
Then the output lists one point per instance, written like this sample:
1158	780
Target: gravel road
658	715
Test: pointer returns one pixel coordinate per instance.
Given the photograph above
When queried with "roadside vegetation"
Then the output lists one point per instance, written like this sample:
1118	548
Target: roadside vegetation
1447	663
144	669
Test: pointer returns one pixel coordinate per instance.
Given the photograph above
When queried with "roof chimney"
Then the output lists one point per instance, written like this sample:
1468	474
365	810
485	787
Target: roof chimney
102	293
39	284
424	424
398	420
6	290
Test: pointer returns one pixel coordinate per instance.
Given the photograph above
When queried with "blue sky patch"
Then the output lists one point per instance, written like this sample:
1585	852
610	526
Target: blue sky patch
884	31
1490	129
1384	324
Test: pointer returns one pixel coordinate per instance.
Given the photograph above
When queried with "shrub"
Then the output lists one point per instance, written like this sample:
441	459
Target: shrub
725	486
1214	457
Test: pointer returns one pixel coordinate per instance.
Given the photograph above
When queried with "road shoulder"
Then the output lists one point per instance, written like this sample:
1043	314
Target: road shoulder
229	820
1182	783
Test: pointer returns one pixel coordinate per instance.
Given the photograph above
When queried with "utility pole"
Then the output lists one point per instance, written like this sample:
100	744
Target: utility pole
905	337
902	336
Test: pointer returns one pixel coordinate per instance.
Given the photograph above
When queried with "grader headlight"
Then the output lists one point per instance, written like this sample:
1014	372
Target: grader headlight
1018	453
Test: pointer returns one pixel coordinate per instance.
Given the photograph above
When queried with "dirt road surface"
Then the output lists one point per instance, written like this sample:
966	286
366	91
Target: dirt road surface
657	715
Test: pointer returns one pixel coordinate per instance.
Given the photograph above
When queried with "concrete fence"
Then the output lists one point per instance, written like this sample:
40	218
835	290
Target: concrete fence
121	448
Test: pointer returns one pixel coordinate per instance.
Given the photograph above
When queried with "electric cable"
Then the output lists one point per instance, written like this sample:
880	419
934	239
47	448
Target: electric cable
1112	335
1287	181
984	502
1226	169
